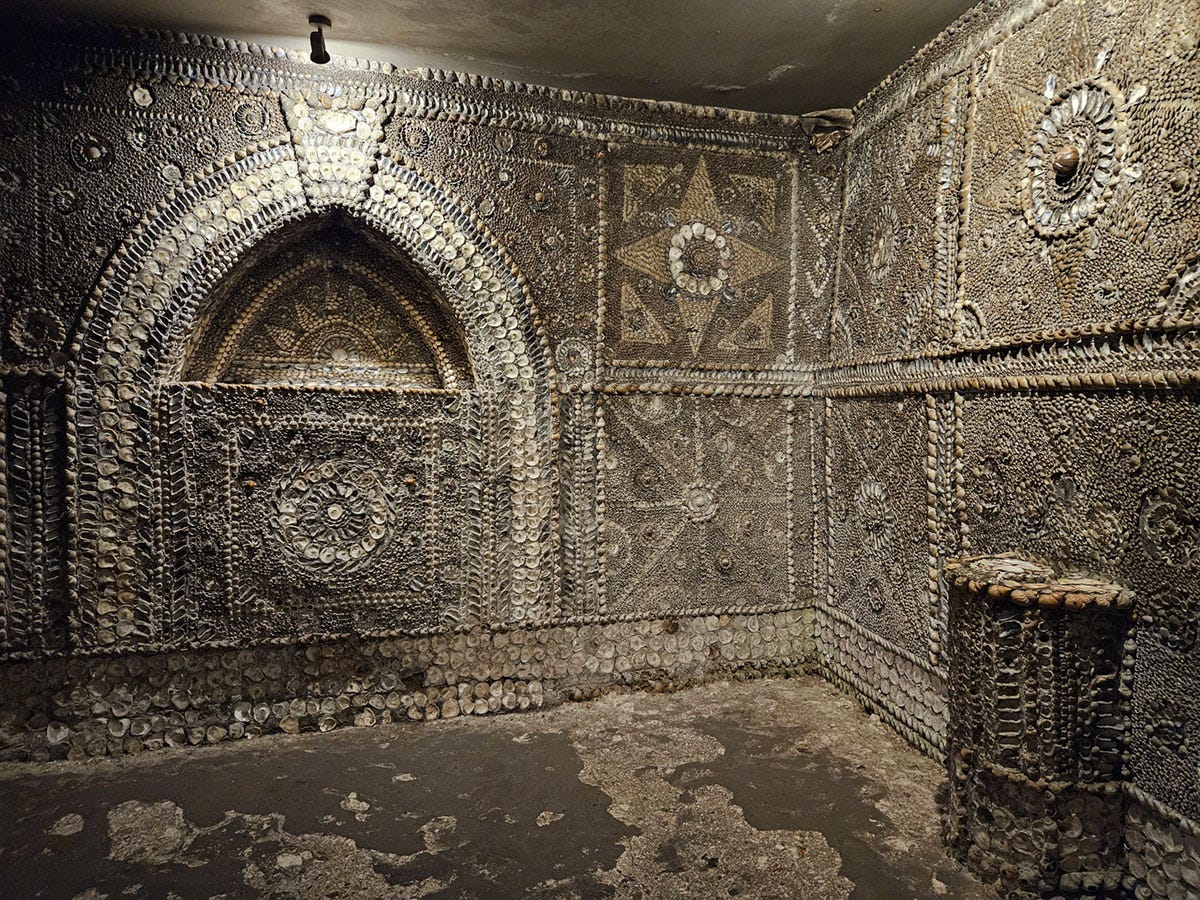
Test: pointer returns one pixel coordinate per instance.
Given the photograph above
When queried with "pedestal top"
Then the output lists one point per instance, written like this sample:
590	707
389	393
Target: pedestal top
1036	582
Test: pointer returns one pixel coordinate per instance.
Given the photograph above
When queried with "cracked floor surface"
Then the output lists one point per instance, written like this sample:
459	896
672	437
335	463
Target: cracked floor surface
775	788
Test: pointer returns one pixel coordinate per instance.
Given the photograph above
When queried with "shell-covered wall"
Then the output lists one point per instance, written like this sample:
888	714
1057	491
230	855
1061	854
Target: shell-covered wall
346	394
1012	365
343	393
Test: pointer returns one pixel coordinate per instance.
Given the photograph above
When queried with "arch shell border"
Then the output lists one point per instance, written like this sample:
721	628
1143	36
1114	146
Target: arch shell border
131	339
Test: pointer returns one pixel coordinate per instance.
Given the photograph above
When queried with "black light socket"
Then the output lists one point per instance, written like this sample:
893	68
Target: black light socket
317	39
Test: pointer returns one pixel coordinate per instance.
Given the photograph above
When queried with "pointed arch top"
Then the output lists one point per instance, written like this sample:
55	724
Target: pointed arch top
183	250
328	300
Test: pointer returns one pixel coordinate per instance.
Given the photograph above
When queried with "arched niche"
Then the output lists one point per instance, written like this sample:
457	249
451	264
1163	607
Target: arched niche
327	301
205	501
324	394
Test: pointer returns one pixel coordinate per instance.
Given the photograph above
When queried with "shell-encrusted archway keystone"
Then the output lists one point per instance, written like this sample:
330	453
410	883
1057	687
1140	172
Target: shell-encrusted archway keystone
132	340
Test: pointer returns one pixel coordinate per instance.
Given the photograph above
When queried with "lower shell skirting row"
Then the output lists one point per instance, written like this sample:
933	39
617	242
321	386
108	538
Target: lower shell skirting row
96	706
112	705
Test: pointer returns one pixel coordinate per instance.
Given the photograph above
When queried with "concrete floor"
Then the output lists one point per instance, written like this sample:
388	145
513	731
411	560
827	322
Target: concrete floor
777	788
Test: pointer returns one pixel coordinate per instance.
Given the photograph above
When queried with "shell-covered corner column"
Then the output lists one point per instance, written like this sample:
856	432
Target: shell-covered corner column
1040	661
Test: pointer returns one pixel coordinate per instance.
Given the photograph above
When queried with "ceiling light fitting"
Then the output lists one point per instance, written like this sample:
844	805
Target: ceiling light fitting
317	38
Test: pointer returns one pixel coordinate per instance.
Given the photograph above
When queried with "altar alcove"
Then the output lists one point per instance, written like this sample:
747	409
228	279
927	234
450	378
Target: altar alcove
326	303
321	419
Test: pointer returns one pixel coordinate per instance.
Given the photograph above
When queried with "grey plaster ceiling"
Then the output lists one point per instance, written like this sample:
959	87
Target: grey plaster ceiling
774	55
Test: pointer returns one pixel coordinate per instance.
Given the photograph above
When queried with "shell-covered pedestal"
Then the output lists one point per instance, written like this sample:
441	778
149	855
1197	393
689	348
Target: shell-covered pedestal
1039	665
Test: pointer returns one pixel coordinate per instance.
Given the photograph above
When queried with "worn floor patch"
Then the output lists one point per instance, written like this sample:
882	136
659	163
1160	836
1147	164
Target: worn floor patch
764	789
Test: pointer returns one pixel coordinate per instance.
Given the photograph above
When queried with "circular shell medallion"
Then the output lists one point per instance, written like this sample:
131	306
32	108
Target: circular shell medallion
1075	159
332	517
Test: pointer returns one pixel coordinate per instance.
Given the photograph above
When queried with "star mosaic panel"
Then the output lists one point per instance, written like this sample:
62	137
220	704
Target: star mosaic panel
695	503
697	269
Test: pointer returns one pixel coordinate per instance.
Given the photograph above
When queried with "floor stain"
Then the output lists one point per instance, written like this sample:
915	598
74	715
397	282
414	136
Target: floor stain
775	788
782	785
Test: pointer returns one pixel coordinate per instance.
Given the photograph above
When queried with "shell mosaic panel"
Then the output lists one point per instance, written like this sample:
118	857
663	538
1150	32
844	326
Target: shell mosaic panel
895	282
1082	155
695	501
698	270
877	501
816	220
310	510
580	500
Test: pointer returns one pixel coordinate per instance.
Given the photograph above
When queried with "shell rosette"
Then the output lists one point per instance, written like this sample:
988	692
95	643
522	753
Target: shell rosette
1087	122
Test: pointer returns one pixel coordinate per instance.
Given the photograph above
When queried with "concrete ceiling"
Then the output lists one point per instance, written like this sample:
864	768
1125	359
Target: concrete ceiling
791	56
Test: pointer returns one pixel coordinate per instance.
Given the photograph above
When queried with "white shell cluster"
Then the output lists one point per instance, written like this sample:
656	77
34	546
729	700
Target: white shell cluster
686	275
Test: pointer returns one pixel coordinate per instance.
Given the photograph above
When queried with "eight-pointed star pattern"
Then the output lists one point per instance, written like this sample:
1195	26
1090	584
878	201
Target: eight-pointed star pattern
701	262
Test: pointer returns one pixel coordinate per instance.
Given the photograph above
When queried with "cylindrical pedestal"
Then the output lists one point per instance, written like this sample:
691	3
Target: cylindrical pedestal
1038	710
